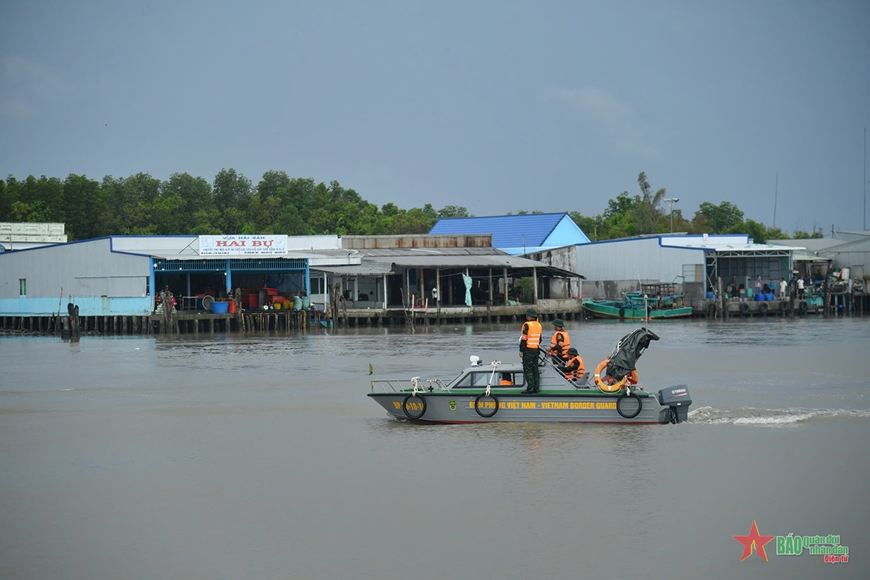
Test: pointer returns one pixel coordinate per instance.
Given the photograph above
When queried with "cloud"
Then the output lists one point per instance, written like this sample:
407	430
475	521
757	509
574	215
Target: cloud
618	120
27	85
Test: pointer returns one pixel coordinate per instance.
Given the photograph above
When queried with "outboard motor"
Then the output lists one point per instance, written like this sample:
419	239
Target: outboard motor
677	401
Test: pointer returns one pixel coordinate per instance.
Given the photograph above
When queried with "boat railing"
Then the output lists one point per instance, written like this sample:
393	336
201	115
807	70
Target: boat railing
580	382
398	385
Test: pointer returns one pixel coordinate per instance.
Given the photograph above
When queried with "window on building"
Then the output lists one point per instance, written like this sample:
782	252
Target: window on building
317	285
22	286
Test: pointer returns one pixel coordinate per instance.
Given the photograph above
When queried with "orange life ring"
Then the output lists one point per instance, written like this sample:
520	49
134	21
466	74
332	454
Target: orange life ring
602	384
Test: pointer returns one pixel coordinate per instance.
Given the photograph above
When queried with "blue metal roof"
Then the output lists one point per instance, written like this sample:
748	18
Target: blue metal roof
529	231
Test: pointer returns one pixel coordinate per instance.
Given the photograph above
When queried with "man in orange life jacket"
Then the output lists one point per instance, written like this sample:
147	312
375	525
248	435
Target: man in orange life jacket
560	343
529	343
573	369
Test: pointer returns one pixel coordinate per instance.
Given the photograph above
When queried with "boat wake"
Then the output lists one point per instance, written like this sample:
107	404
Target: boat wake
769	417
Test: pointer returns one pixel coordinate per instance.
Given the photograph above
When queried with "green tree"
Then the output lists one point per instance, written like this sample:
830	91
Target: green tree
589	225
231	190
5	201
802	235
453	211
167	214
195	194
83	205
414	221
757	231
646	213
622	204
719	219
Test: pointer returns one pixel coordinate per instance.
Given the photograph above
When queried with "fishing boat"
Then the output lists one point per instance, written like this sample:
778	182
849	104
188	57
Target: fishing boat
652	301
496	392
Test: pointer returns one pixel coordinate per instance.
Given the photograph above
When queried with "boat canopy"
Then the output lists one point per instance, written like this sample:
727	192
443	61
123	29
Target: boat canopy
629	348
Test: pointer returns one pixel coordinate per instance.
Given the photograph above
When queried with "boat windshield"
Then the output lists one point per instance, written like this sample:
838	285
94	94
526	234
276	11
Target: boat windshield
480	379
454	379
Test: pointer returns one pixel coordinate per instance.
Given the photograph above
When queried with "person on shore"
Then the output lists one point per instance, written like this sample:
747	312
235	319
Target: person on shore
782	288
573	369
732	287
560	343
757	285
530	342
800	287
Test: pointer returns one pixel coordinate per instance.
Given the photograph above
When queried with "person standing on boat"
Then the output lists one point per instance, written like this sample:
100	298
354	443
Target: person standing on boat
560	343
574	368
530	341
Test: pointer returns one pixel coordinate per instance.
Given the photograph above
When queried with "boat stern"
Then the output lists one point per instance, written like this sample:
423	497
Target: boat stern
676	401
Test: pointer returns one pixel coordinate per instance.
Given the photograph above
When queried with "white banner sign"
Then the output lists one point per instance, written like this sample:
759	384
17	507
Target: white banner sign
241	245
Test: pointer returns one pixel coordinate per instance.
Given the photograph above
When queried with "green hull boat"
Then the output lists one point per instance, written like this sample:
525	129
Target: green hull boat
630	311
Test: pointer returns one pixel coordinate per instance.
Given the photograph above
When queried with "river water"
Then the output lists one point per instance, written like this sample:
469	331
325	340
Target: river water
261	457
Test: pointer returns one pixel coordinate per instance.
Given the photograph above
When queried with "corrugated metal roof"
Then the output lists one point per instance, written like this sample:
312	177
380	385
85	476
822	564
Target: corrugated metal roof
367	269
508	231
727	242
381	261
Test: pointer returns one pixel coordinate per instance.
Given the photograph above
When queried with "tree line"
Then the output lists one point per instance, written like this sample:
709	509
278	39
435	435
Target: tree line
278	204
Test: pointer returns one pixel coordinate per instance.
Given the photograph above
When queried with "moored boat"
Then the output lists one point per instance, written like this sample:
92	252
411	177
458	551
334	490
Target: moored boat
495	392
653	301
628	310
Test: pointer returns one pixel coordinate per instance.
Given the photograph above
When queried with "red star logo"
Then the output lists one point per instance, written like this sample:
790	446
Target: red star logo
754	540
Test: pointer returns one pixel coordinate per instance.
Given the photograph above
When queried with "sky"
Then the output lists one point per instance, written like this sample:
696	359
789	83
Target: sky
495	106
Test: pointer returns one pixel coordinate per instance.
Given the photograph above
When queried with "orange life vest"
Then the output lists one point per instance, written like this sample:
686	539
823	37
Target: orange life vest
560	344
574	368
532	334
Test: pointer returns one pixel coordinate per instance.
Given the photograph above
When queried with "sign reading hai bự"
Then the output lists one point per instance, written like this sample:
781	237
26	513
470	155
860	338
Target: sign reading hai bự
242	245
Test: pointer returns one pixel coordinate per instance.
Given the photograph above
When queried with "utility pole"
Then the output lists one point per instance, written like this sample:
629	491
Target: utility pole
671	201
775	193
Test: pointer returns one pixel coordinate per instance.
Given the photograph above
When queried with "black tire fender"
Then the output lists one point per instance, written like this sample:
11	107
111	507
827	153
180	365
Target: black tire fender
711	310
744	308
422	404
762	307
783	305
477	405
803	307
625	415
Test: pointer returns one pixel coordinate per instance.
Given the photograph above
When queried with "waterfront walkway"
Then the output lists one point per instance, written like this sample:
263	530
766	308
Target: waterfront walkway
199	321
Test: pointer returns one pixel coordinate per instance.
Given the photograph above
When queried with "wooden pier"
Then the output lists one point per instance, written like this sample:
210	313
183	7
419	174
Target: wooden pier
287	321
199	322
836	304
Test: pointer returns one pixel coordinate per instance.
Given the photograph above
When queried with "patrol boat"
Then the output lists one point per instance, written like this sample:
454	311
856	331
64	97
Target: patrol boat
495	392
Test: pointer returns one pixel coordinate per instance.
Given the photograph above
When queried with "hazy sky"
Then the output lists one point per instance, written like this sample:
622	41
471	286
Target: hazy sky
497	106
